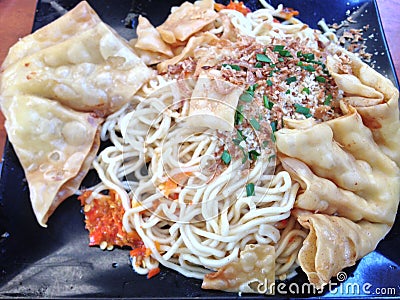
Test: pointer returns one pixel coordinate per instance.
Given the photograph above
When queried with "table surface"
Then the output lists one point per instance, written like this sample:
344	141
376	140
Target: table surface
16	19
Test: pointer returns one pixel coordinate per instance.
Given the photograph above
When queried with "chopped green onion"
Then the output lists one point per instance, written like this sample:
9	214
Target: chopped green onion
302	110
309	68
263	58
250	189
306	67
291	79
253	154
255	124
268	104
234	67
240	135
269	82
328	99
285	53
280	59
246	97
265	144
226	157
308	56
245	154
278	48
306	90
274	125
236	141
299	54
258	65
239	115
271	157
320	79
252	88
287	92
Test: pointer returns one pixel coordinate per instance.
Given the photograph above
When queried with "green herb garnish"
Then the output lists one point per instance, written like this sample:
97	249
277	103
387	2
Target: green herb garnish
250	189
253	155
263	58
278	48
239	115
246	97
255	124
309	68
269	82
291	79
320	79
302	110
306	90
268	104
285	53
234	67
252	88
328	99
308	56
274	125
226	157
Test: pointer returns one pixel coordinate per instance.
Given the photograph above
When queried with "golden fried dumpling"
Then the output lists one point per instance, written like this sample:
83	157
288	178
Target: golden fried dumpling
252	272
149	38
185	21
373	96
348	170
213	103
80	18
93	71
55	146
335	243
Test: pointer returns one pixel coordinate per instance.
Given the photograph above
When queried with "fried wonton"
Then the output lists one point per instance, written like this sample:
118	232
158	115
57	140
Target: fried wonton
150	39
56	85
54	145
185	21
193	43
335	243
322	195
347	170
373	96
80	18
252	272
213	103
93	71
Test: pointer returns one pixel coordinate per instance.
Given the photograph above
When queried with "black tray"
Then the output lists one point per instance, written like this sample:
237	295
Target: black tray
56	262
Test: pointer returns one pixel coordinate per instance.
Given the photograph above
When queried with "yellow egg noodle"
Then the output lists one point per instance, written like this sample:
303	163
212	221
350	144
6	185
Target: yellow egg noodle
242	144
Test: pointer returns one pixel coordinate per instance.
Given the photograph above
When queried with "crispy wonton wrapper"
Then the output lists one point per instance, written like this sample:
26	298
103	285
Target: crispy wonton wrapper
185	21
93	71
81	18
56	85
347	168
335	243
374	97
55	145
252	272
